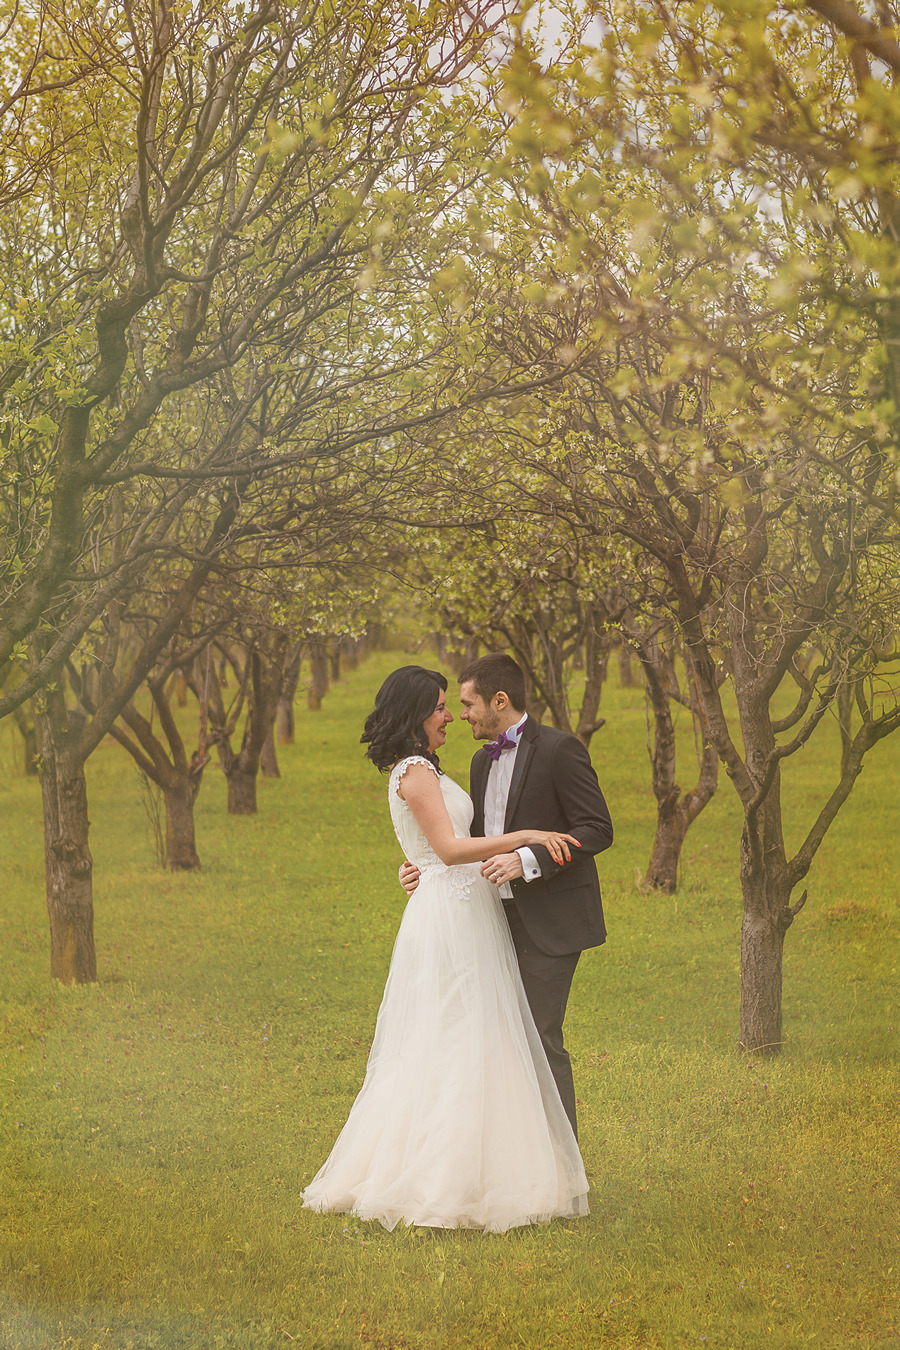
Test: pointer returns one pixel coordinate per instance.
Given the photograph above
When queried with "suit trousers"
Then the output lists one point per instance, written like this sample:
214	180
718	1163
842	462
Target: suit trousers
547	981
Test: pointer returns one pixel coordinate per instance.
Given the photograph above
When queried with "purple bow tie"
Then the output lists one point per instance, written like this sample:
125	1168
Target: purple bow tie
503	742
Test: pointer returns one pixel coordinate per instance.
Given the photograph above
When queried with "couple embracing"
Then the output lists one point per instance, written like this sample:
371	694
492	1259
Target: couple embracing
466	1117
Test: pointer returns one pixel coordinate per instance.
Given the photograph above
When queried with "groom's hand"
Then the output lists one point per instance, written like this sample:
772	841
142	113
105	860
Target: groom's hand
409	877
502	867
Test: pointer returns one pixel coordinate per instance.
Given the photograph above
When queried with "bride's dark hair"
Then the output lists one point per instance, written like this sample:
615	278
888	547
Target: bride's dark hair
394	729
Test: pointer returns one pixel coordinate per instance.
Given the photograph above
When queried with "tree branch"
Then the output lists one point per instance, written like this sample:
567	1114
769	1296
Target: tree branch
848	20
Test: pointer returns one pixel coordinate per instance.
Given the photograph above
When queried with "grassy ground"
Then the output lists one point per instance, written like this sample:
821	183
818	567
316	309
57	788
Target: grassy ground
156	1130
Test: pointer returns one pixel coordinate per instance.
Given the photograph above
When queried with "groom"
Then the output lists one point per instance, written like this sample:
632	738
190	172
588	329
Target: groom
535	777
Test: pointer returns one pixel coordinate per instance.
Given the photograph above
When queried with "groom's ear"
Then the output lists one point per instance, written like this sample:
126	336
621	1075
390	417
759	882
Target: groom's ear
500	700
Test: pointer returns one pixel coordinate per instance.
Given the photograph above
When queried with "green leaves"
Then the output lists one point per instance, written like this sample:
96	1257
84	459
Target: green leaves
44	425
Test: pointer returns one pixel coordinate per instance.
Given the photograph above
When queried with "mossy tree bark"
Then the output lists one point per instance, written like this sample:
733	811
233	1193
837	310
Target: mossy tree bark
260	689
268	756
319	681
675	811
285	715
67	856
167	764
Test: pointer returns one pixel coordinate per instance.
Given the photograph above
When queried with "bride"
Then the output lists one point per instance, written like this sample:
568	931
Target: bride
459	1122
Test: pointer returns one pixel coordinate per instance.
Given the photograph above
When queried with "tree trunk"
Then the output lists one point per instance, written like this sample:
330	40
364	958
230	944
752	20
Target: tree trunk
447	656
241	793
845	722
177	777
762	947
552	673
596	660
285	723
766	891
376	634
181	846
241	772
31	751
535	703
675	811
626	671
671	827
29	735
318	659
350	648
268	757
67	855
285	714
264	672
335	659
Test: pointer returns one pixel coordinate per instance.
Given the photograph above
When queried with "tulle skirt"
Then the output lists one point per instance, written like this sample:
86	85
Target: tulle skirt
458	1122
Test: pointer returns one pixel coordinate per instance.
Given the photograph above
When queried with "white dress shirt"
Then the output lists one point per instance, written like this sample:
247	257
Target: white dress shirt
495	798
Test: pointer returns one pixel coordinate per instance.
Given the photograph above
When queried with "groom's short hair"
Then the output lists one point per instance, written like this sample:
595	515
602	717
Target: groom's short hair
489	674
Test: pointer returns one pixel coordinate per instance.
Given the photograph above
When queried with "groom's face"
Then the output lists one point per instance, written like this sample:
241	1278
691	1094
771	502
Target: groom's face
483	718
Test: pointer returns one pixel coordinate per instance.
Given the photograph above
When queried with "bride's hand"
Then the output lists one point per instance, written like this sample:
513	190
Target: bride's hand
555	842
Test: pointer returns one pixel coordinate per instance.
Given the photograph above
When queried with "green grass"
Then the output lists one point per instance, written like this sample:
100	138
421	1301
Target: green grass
156	1130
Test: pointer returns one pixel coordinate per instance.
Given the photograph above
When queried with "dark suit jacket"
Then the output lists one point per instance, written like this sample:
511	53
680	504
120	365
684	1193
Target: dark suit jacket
554	787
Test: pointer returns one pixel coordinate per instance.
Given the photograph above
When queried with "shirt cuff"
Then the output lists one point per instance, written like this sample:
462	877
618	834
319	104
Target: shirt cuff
530	869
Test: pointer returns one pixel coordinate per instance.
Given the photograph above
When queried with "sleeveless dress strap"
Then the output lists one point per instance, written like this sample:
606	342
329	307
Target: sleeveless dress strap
402	765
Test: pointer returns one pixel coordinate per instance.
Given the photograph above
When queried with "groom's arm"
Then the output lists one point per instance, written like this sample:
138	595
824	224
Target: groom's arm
585	813
571	778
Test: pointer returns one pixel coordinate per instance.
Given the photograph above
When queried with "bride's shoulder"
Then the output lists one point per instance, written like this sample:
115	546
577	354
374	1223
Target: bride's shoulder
404	765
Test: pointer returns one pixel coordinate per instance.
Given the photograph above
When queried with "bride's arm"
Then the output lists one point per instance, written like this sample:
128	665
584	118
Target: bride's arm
421	789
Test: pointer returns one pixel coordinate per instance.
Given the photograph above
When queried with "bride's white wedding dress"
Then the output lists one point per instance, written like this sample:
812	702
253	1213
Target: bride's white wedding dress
458	1122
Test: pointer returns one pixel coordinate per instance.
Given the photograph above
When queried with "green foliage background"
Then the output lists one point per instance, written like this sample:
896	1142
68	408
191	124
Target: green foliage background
156	1130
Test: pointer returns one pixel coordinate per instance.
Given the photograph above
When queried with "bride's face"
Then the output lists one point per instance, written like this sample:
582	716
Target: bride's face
435	726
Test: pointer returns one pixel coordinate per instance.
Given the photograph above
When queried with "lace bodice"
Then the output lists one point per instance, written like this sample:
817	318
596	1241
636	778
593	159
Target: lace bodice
411	838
